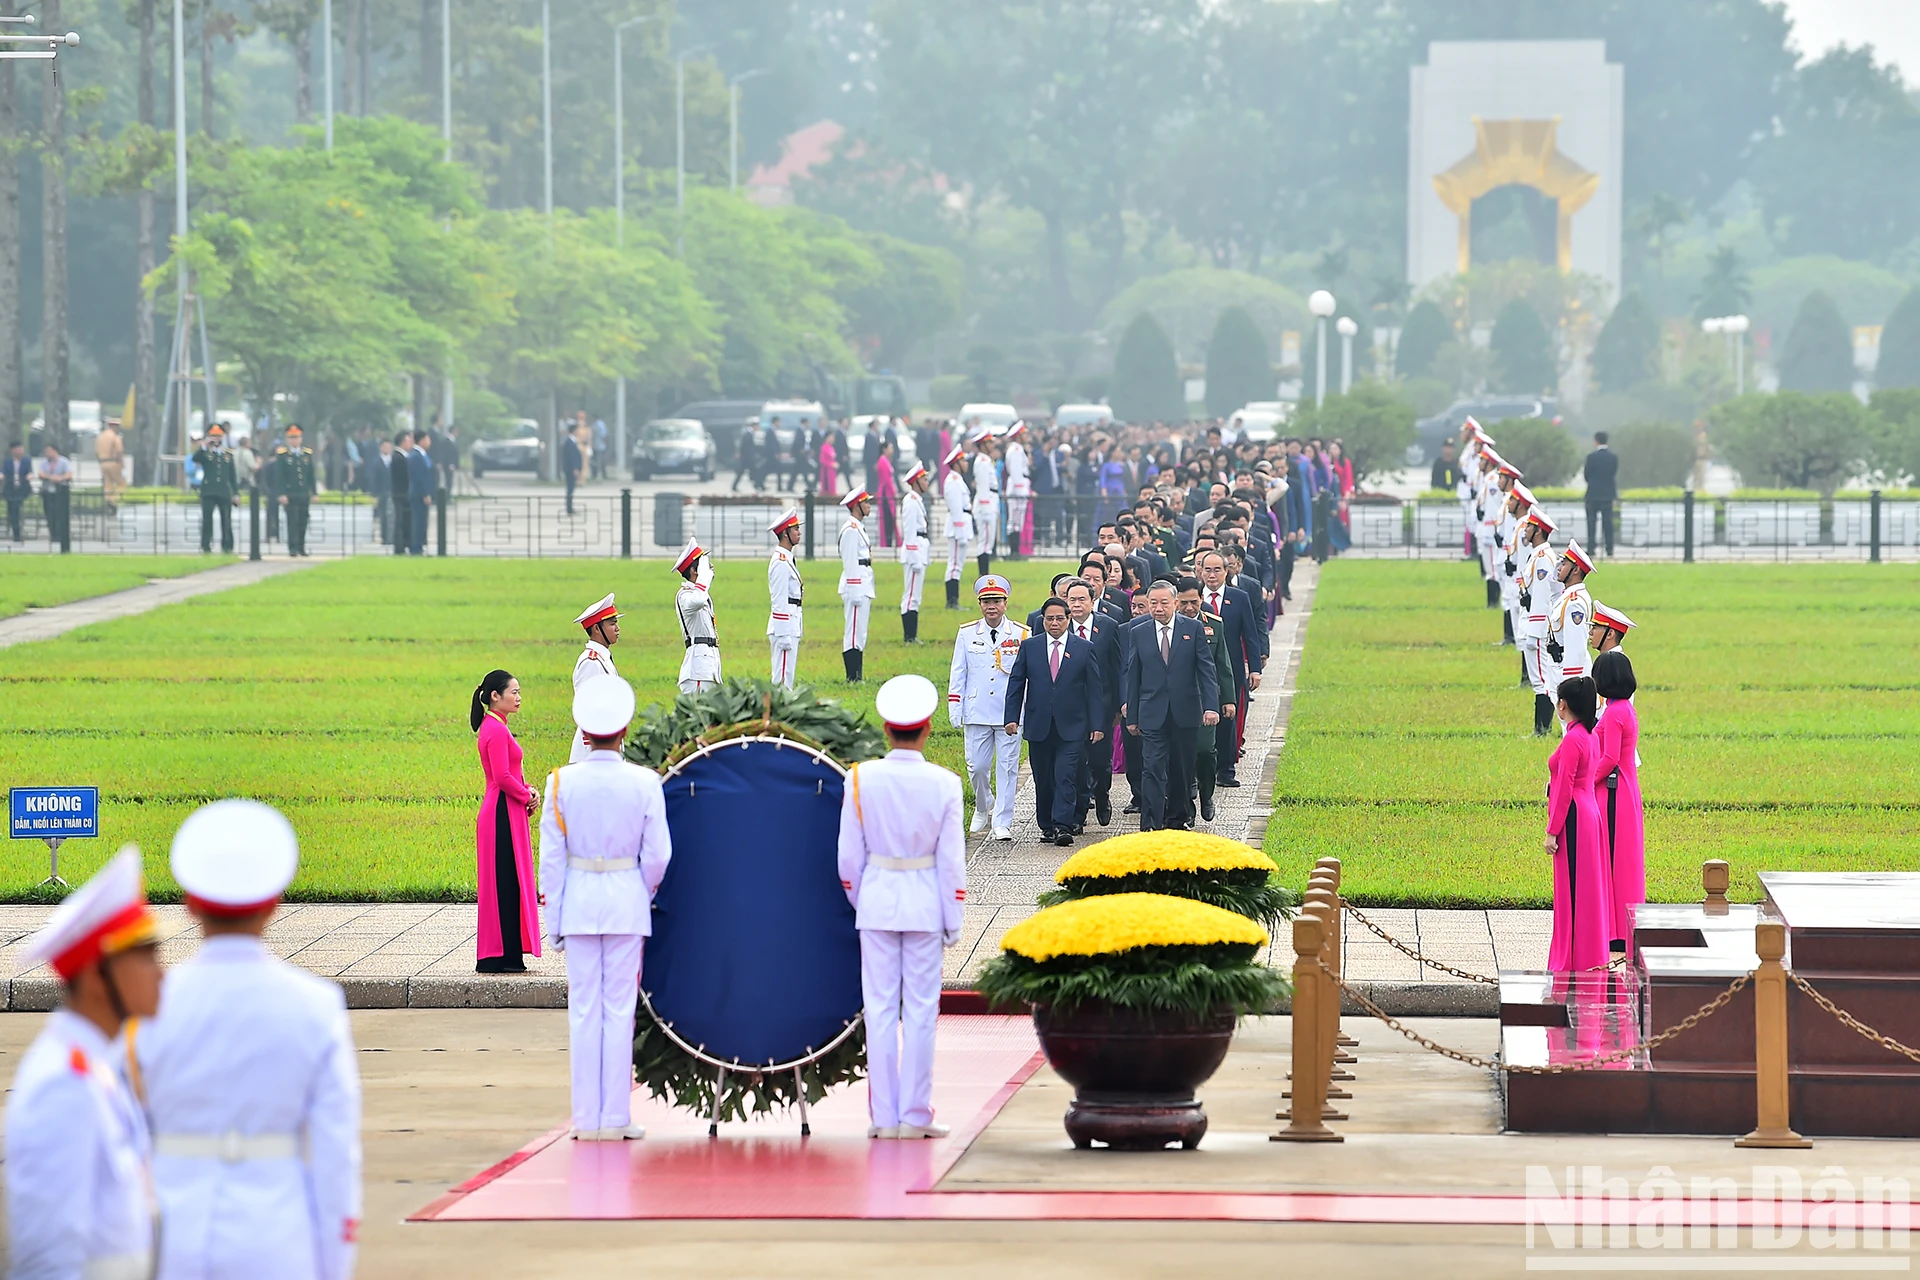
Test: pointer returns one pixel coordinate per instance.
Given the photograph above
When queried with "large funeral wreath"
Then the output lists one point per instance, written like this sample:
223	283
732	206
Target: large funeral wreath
662	736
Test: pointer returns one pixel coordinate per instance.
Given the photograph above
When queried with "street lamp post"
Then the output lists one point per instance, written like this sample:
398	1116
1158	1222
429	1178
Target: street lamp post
1347	327
326	63
733	125
680	148
1321	304
620	213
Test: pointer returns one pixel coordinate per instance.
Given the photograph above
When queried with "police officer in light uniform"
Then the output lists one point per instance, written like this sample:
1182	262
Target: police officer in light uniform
601	621
986	496
1487	517
1538	592
1019	484
783	598
700	666
1572	615
604	847
1608	630
915	551
251	1079
903	864
1508	555
856	584
958	500
79	1185
983	654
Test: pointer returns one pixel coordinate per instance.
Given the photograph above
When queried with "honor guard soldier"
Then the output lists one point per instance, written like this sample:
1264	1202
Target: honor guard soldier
1487	513
986	495
219	481
903	864
700	667
856	584
784	593
958	500
1572	615
250	1075
296	481
915	551
79	1185
1608	630
1505	526
604	847
1538	592
983	654
1019	485
602	625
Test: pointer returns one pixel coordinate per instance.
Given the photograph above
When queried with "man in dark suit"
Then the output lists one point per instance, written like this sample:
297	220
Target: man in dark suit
402	493
1056	590
16	483
1172	693
1602	471
1103	633
1054	690
420	491
1245	652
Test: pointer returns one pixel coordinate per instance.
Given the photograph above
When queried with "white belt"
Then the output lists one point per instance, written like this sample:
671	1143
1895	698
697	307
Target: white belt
921	863
601	864
231	1147
118	1266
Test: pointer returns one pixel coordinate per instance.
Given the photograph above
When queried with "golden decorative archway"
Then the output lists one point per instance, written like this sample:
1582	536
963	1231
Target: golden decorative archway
1523	153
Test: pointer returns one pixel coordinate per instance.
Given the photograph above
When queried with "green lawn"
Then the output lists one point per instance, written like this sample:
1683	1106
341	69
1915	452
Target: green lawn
38	582
341	694
1778	724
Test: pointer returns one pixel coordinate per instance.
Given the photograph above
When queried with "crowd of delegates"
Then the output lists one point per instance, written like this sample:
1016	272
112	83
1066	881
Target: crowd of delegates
1572	661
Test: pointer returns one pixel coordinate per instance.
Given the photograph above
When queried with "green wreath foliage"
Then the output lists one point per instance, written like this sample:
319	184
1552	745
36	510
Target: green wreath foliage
1183	979
1255	894
661	736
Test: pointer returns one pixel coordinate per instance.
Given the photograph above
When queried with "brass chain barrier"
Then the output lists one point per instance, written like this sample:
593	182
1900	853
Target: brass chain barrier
1852	1023
1687	1023
1480	978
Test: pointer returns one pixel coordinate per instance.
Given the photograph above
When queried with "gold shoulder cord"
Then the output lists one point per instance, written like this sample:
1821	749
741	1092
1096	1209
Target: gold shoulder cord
559	817
134	1081
853	775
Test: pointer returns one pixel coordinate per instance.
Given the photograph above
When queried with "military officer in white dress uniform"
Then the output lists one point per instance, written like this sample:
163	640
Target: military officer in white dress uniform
1609	628
1504	529
986	496
79	1184
602	624
1019	484
1571	617
700	665
604	847
983	654
250	1074
783	597
903	864
1539	590
958	499
915	551
856	584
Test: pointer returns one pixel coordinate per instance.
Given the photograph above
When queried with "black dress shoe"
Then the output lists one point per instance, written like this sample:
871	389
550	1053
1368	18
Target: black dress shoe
1132	808
1227	782
1046	835
1103	810
1063	839
1078	829
1206	808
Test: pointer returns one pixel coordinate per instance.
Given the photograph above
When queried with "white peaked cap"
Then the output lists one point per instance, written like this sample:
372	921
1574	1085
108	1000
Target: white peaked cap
603	706
907	702
235	856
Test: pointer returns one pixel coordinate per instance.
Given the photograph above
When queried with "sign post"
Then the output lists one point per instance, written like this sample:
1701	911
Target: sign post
56	815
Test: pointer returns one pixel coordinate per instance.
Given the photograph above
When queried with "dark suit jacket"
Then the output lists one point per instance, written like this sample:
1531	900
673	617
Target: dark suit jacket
419	474
1257	597
1602	469
16	477
397	474
1106	657
1070	704
377	475
1172	693
1242	633
1115	604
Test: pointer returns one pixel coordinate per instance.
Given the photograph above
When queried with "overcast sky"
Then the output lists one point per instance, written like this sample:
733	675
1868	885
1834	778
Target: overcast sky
1892	27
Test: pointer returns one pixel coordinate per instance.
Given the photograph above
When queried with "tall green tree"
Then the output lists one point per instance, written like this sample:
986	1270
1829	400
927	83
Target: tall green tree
1374	426
916	293
1543	450
1424	333
1893	445
1146	384
1819	351
1726	289
1900	345
1793	440
1239	369
1624	353
1522	350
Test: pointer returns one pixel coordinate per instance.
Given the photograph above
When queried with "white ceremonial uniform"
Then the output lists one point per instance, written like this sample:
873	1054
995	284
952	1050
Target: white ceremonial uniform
903	864
594	661
856	584
986	502
959	504
604	847
1507	547
1489	517
1542	590
783	614
1019	492
252	1086
915	549
1567	625
79	1190
701	664
977	705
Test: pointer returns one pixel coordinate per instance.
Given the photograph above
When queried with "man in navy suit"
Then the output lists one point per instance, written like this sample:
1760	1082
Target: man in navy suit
1096	767
419	491
16	482
1172	694
1245	654
1056	681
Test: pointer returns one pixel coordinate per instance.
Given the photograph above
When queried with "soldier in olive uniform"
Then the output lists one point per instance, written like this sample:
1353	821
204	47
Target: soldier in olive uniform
296	482
219	481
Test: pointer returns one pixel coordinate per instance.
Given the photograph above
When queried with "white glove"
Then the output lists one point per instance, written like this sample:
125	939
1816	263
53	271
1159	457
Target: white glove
557	942
949	937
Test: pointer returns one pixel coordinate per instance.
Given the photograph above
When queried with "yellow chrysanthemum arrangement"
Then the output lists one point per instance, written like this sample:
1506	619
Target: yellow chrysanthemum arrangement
1183	864
1133	951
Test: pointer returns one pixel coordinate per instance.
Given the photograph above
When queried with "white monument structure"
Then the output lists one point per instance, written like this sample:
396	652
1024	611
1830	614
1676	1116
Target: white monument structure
1539	114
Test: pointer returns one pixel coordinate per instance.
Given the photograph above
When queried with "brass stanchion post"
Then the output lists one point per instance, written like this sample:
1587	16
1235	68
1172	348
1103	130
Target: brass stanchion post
1770	1041
1339	949
1715	876
1304	1120
1320	894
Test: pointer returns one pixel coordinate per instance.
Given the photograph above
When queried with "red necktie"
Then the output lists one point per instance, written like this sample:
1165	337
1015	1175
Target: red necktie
1216	604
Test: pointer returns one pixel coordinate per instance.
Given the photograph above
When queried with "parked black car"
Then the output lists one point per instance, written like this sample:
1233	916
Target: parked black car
674	444
519	450
1486	410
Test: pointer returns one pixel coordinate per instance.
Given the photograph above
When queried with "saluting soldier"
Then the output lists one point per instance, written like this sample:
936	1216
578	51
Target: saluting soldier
1538	592
1572	615
784	593
601	621
79	1178
219	481
1019	485
296	480
856	584
986	495
1510	553
915	550
958	500
1506	523
250	1074
983	654
700	666
903	865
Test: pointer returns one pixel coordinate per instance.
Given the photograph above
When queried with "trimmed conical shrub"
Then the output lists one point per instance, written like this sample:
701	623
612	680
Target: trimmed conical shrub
1819	351
1238	366
1146	376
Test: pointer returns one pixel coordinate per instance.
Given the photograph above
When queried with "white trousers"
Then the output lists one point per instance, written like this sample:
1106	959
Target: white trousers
1533	649
603	986
694	686
986	525
993	763
900	982
956	556
856	611
1016	521
915	583
786	657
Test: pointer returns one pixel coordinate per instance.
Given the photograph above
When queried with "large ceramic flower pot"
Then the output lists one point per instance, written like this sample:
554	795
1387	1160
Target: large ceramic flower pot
1134	1072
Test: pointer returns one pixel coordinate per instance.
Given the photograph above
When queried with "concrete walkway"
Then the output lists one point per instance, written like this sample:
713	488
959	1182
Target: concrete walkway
52	623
